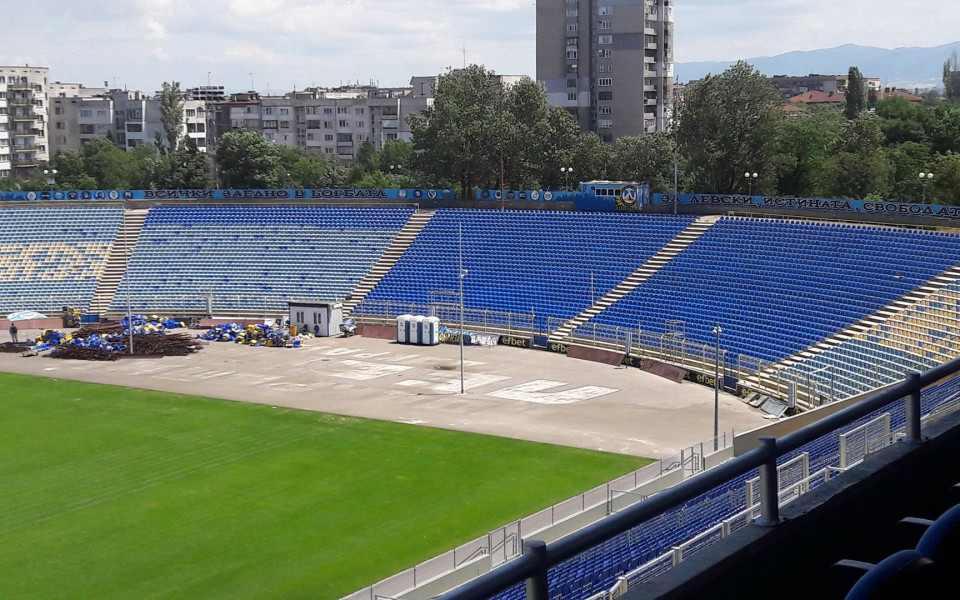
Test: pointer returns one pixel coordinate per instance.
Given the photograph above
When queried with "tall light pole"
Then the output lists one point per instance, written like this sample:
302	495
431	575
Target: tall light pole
462	273
395	171
925	178
676	178
566	171
751	177
51	176
716	389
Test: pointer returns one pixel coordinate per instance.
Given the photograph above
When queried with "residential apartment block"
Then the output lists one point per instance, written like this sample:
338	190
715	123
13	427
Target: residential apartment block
609	62
331	121
23	120
790	86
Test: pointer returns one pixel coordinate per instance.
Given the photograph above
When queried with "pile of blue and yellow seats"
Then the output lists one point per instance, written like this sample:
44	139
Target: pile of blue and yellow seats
251	335
109	341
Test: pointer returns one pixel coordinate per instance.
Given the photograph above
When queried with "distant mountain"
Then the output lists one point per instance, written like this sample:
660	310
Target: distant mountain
901	67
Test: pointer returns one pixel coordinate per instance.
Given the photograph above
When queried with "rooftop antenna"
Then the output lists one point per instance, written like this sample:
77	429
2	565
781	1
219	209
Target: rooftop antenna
464	57
251	82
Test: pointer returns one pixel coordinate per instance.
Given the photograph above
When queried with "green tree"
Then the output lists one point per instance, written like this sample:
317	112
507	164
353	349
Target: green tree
727	126
646	158
171	116
945	134
366	157
456	138
591	158
908	159
946	180
247	160
859	166
563	135
951	77
856	93
803	149
188	167
397	154
904	121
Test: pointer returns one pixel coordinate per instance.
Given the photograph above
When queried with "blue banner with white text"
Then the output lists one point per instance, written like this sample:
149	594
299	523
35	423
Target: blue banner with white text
275	194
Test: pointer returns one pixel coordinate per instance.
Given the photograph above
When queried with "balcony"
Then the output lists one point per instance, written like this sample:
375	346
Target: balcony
19	102
25	162
23	133
651	46
24	148
23	117
21	86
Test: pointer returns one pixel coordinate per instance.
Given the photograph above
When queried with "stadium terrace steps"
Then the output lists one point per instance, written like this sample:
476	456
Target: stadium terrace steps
914	343
643	272
116	263
390	256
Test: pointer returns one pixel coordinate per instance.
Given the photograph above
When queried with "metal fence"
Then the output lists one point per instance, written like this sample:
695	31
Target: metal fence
487	321
506	543
538	557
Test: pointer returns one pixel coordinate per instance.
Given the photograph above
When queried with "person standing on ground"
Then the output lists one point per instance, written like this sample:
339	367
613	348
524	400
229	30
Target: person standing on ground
13	332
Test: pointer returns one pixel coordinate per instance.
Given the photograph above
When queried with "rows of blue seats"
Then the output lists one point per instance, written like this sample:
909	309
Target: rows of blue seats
49	255
551	263
599	568
776	287
254	257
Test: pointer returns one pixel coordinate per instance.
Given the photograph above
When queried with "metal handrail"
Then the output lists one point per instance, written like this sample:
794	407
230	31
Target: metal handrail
538	557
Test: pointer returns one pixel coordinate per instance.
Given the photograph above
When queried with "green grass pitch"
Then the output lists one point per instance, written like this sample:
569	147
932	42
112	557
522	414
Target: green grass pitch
110	492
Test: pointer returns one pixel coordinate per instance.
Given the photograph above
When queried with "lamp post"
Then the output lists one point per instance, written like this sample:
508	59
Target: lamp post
751	177
395	171
52	176
461	275
566	171
716	389
925	178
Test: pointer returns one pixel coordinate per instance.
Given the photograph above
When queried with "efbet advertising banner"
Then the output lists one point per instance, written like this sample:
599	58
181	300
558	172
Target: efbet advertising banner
869	207
191	194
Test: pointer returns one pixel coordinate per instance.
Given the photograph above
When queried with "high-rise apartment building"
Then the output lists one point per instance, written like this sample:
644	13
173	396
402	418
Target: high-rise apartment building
23	120
609	62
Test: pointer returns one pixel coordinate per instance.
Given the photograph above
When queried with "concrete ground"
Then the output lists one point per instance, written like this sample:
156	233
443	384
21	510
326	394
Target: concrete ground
524	394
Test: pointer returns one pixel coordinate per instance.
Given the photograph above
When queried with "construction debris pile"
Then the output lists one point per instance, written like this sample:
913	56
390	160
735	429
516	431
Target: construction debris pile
252	335
15	347
108	341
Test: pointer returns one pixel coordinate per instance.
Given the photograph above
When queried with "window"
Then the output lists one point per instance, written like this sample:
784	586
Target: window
391	136
360	124
59	125
605	39
604	24
328	150
343	123
313	124
606	68
606	138
58	110
604	110
605	124
327	124
328	137
101	114
571	83
328	111
134	128
605	96
285	124
571	54
572	13
191	112
268	110
344	137
571	27
271	124
605	53
604	10
87	130
359	111
342	110
605	81
284	111
571	41
359	138
571	97
85	113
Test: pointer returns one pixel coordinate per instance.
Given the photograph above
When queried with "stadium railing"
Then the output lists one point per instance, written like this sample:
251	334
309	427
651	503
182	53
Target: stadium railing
504	543
538	557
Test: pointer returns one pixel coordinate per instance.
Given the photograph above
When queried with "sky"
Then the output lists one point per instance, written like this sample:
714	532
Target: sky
274	46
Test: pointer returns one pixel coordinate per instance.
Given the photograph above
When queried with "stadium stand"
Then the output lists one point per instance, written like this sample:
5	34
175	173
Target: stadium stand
253	258
526	261
52	256
777	286
646	551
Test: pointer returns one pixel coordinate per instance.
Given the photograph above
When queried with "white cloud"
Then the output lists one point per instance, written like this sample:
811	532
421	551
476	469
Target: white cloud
144	42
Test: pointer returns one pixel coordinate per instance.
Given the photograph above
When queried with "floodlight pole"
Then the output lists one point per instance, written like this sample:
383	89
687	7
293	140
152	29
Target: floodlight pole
461	275
126	262
716	389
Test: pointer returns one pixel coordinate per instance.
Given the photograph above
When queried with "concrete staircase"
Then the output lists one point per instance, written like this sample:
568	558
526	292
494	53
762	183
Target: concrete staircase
767	379
644	272
390	256
116	263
